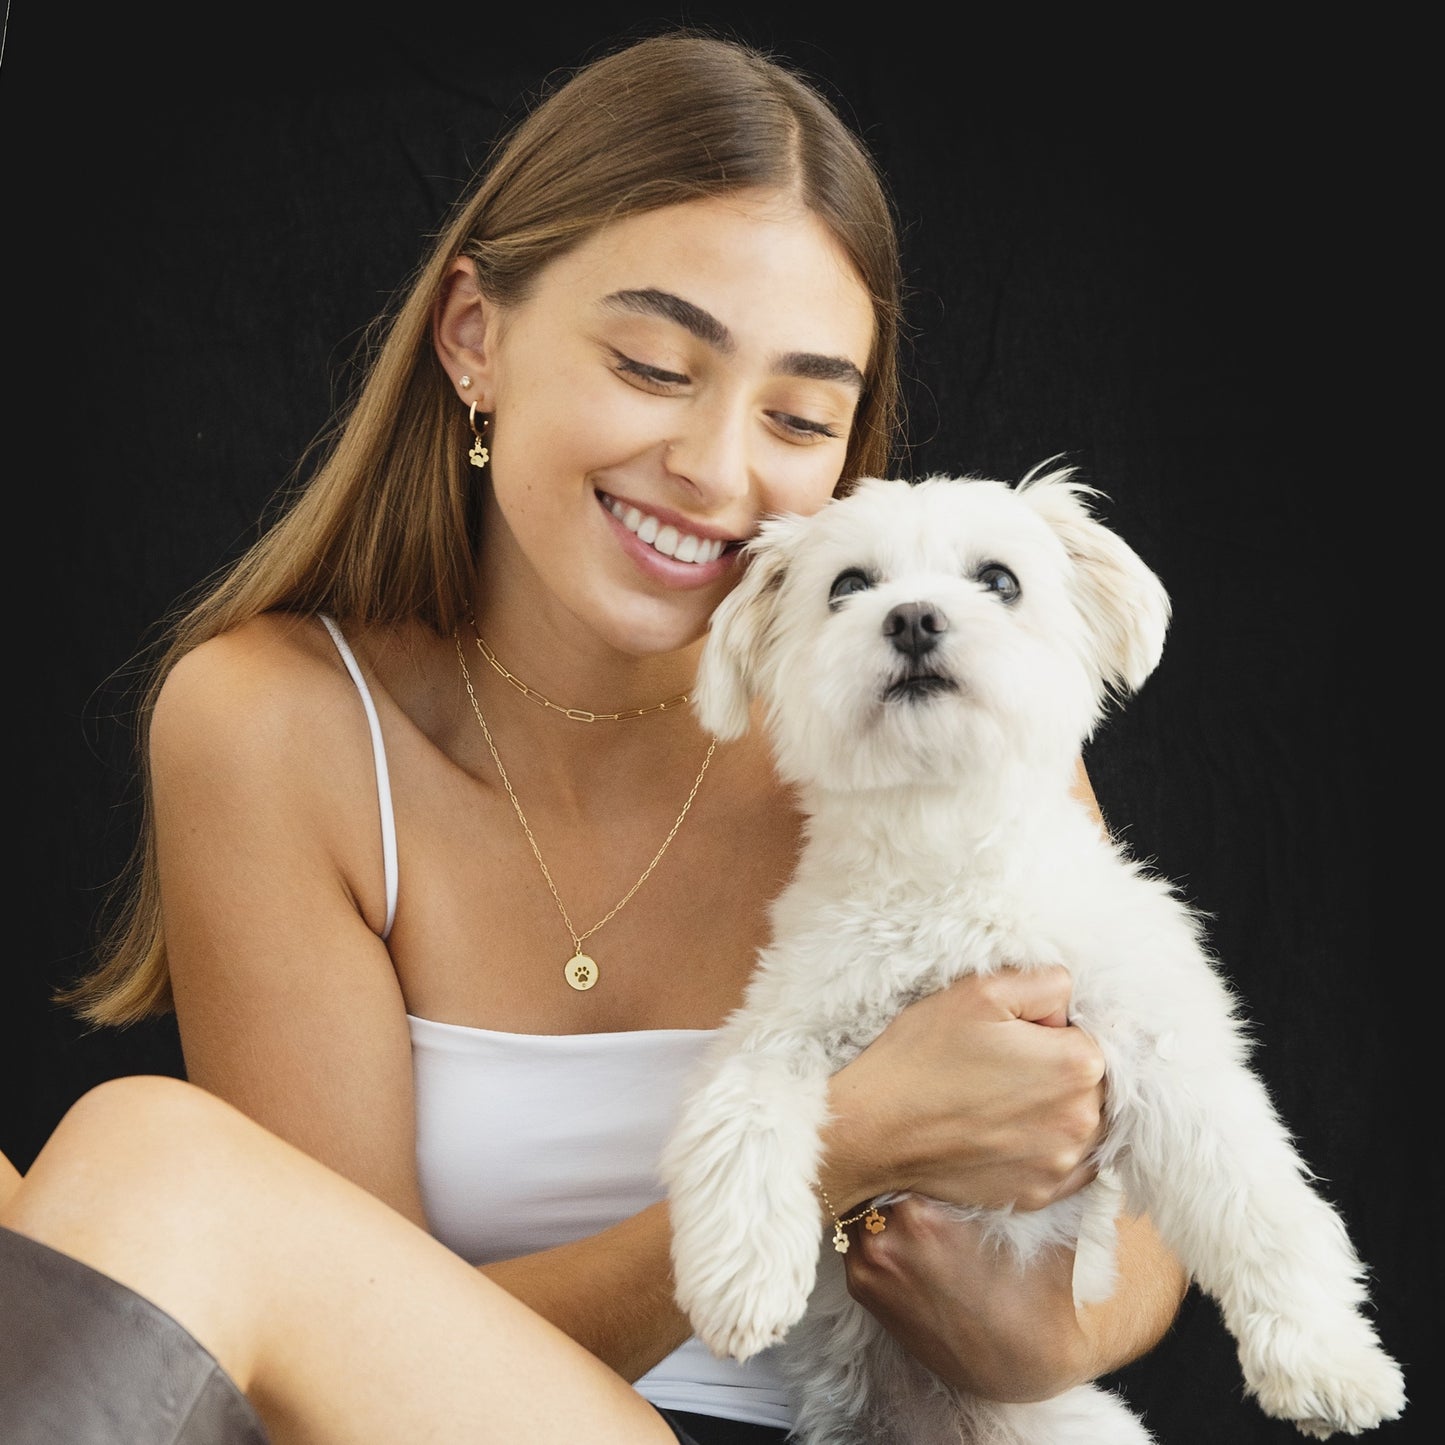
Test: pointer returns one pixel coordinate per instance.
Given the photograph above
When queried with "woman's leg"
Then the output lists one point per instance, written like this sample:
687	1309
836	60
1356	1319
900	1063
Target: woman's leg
341	1320
9	1180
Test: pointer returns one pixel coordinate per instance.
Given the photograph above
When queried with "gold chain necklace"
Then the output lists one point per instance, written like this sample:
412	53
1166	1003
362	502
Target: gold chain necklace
577	714
581	971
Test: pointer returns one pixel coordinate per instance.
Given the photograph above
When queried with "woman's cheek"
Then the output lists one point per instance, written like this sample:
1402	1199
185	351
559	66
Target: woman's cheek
810	484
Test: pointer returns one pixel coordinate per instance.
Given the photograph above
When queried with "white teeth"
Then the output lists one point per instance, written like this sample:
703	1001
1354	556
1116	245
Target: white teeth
681	546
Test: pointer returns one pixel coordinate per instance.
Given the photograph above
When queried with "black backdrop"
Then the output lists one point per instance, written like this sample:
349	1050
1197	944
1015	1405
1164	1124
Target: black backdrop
1132	249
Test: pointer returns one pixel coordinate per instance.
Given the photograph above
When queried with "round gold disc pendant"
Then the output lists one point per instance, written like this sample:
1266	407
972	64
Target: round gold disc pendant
581	972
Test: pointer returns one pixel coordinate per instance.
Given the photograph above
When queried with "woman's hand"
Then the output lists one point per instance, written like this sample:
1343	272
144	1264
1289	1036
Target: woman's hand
978	1094
978	1321
982	1094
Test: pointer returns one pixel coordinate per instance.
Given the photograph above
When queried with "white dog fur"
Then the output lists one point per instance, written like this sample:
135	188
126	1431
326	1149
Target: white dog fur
929	658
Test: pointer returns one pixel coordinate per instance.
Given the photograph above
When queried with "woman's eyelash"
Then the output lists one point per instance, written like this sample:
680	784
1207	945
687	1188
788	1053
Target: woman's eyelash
648	373
800	426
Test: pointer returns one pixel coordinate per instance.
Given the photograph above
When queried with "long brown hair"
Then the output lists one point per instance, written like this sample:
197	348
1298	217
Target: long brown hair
387	527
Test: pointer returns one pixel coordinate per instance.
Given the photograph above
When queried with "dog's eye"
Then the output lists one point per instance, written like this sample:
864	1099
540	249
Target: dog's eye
845	584
998	580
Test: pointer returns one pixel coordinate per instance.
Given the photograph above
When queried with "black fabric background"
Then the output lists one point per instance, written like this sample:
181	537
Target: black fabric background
1141	249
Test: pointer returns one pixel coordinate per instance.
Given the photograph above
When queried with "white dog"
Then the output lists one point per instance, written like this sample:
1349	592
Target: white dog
930	657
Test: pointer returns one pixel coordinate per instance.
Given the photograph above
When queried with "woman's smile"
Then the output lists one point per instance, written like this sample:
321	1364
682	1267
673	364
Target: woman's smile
676	552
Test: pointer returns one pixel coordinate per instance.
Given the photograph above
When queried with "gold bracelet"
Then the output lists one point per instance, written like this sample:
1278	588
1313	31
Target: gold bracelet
873	1222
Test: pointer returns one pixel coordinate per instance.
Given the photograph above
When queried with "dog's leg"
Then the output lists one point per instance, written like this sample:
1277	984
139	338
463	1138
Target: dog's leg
1085	1415
746	1219
1210	1159
1096	1263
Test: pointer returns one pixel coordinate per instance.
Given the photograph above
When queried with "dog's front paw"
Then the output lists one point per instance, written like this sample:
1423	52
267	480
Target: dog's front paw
737	1323
741	1272
745	1219
1335	1383
744	1283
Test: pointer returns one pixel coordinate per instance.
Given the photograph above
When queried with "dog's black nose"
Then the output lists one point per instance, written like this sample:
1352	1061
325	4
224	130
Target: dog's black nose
914	627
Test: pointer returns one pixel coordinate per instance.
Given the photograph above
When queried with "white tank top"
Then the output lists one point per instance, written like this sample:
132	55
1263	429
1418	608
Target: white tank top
526	1141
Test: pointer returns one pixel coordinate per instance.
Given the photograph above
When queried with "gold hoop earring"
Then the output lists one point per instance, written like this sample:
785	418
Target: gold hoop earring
479	456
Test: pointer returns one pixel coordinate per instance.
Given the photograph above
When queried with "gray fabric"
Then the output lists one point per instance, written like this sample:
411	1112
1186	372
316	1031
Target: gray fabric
86	1361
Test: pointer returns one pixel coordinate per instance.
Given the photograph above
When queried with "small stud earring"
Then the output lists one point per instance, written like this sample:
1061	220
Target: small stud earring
479	456
464	382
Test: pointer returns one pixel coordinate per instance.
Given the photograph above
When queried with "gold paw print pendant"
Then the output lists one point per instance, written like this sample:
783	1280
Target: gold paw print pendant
581	972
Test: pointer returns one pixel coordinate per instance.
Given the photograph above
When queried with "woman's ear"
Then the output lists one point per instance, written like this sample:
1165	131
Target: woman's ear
460	333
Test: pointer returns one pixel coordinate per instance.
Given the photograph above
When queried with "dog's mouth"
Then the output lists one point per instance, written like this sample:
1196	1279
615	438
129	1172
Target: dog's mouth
917	686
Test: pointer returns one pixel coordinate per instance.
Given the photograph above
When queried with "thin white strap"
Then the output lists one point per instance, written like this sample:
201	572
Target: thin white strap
383	778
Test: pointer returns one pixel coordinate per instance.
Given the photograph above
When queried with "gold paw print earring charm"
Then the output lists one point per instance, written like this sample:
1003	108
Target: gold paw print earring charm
479	456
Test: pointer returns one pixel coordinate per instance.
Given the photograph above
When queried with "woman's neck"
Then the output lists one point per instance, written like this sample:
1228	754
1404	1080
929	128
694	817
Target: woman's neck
584	760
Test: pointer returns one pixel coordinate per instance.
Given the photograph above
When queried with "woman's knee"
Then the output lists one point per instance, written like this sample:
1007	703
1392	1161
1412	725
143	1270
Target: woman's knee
119	1104
142	1139
147	1180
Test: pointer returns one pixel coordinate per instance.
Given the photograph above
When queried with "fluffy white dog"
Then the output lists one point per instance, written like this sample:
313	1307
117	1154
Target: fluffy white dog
930	657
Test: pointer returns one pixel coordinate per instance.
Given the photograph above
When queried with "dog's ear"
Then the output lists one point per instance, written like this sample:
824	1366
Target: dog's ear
1121	599
730	669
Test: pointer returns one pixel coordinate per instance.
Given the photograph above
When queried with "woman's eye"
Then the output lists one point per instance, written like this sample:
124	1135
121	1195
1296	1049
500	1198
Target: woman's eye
845	584
801	427
654	375
795	428
1000	581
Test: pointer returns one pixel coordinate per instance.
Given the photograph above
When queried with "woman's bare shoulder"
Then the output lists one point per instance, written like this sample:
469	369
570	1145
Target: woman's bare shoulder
260	745
272	645
272	687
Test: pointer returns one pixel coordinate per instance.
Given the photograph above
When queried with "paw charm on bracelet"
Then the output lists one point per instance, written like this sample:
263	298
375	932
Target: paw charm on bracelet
873	1222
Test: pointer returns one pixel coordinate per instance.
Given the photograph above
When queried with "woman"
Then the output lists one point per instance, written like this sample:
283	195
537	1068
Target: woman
445	885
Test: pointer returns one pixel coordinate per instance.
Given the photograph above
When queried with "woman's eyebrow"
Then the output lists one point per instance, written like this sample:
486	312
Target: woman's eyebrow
812	366
650	301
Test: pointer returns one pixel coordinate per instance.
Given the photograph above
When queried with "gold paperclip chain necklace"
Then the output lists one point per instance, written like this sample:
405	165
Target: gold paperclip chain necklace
581	971
577	714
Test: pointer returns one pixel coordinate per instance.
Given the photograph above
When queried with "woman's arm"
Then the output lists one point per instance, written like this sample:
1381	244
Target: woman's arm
612	1292
970	1096
978	1321
269	860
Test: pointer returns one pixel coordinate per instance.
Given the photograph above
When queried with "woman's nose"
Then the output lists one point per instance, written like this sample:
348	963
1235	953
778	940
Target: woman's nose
710	451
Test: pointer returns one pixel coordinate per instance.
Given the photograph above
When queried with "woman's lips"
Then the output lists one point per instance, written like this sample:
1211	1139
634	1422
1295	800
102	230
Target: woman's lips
667	551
